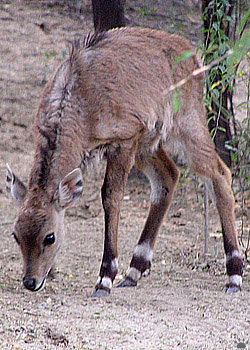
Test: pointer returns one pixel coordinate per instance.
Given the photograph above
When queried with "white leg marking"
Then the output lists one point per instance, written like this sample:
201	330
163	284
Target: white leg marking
106	282
155	183
114	265
133	273
156	194
235	279
144	250
235	254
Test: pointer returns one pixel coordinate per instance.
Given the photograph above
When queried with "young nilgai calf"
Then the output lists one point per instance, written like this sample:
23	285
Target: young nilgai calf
107	99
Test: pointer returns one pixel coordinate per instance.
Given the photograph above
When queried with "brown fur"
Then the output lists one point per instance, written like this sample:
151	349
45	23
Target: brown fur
107	98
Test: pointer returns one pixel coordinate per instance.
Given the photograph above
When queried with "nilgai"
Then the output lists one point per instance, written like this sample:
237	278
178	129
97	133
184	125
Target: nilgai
107	100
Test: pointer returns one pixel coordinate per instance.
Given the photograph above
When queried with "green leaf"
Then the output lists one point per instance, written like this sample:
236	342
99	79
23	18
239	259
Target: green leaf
221	129
225	2
216	93
215	85
183	57
220	13
177	102
216	26
240	49
245	19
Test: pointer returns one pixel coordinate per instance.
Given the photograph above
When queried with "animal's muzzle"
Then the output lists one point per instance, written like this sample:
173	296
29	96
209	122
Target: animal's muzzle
29	283
32	284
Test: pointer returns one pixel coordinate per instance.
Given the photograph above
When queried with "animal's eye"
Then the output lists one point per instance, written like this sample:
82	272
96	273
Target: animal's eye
49	239
15	236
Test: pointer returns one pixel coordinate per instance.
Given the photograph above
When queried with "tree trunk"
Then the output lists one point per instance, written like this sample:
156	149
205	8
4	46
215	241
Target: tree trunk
108	14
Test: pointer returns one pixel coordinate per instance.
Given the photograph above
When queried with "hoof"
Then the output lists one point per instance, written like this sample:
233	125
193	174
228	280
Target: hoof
100	293
231	288
126	282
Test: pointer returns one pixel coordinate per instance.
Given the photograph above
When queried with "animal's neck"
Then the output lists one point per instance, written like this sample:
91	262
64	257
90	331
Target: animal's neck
52	163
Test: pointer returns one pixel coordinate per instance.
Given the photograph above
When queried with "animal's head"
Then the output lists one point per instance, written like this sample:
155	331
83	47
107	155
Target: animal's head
39	227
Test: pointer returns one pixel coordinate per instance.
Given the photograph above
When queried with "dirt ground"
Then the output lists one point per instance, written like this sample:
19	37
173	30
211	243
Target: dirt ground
181	304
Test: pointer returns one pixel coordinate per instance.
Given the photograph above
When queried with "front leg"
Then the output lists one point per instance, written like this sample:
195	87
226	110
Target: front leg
163	175
119	163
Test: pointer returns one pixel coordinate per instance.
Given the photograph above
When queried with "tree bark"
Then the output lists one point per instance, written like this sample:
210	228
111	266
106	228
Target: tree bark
108	14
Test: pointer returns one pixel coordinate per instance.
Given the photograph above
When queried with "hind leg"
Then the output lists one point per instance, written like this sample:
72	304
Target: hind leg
206	162
163	175
221	180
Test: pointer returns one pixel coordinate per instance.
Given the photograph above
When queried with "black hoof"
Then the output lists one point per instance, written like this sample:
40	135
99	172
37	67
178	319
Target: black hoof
126	282
231	288
100	293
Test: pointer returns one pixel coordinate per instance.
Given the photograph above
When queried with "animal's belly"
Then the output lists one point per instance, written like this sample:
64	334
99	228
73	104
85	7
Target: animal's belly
172	145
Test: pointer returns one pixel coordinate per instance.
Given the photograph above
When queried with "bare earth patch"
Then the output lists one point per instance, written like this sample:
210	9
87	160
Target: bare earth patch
180	305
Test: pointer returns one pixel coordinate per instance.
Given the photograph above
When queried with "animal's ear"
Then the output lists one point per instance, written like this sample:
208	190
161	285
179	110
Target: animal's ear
69	190
15	186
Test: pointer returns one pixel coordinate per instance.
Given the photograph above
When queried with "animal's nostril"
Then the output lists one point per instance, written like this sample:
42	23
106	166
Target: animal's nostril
29	283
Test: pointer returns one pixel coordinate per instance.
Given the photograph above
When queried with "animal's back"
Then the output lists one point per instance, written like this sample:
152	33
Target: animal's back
114	81
124	74
135	61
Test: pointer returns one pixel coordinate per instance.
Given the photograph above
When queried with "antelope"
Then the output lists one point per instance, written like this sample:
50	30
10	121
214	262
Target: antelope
107	100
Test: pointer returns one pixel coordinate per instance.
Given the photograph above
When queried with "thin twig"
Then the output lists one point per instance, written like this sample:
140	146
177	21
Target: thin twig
206	220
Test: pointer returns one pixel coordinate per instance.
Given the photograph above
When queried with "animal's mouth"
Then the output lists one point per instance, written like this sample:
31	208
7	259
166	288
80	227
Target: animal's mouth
41	285
32	285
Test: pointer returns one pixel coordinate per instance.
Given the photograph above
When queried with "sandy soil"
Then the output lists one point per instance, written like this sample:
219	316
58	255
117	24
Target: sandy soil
180	305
